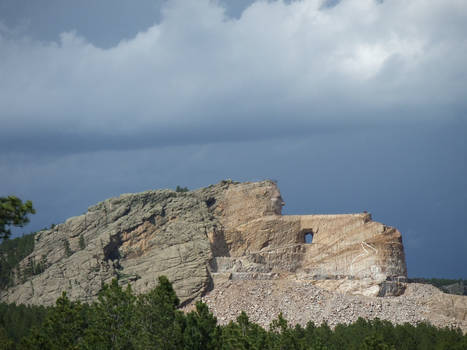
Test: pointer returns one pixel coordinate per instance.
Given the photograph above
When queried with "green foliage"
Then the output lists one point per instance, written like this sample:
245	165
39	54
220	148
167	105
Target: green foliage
181	189
12	251
113	322
281	336
437	282
16	321
121	320
160	321
200	329
243	334
445	284
375	342
63	328
5	342
13	212
68	251
82	242
41	265
33	267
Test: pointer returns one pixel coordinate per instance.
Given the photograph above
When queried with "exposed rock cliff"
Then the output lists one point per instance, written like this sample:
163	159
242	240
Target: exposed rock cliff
230	243
135	237
225	231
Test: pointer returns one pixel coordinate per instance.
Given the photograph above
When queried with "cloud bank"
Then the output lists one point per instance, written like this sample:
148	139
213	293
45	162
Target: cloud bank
199	76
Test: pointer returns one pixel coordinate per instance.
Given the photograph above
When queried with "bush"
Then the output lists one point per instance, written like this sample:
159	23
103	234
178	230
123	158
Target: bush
181	189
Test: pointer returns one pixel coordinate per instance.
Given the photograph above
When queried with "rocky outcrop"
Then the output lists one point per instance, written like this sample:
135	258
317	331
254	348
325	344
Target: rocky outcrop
230	244
229	230
135	237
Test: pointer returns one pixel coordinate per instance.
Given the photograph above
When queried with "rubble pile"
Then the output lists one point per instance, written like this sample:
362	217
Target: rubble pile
301	301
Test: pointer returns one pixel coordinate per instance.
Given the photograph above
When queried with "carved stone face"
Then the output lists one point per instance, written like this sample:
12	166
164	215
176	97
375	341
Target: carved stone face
277	203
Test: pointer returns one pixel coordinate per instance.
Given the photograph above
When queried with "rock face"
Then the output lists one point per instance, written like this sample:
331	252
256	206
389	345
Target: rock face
225	231
256	241
135	237
230	245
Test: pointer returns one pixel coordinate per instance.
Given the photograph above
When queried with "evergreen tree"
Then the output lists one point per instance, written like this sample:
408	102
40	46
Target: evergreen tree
13	212
120	320
200	331
181	189
12	251
17	320
281	335
5	342
323	335
243	335
68	251
82	242
113	321
159	321
231	338
63	328
375	342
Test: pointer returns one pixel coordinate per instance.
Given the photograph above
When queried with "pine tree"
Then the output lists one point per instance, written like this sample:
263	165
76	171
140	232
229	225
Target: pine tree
113	321
68	251
375	342
243	335
63	328
13	212
281	335
82	242
5	342
201	331
159	320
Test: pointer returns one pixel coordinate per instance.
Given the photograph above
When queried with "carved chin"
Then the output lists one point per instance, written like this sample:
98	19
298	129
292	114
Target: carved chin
277	206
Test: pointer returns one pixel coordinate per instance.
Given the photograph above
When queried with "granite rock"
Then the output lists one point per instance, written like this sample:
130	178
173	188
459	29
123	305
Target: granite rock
195	237
230	244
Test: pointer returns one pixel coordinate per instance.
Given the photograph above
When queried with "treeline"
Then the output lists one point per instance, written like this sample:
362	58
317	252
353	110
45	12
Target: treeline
121	320
437	282
16	321
447	285
12	251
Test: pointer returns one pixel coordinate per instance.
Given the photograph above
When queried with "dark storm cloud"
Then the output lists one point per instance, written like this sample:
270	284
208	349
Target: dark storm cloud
105	22
57	142
350	105
199	75
408	176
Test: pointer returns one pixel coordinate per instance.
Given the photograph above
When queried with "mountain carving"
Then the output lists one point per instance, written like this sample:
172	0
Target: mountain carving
193	237
201	239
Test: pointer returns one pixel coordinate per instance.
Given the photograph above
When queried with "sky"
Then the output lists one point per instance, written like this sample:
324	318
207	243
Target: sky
349	105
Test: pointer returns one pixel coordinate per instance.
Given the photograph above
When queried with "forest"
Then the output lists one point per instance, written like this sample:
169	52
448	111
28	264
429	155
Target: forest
119	319
12	252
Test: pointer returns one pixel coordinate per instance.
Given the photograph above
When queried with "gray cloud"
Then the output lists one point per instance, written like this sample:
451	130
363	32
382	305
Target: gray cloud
350	105
200	76
410	177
